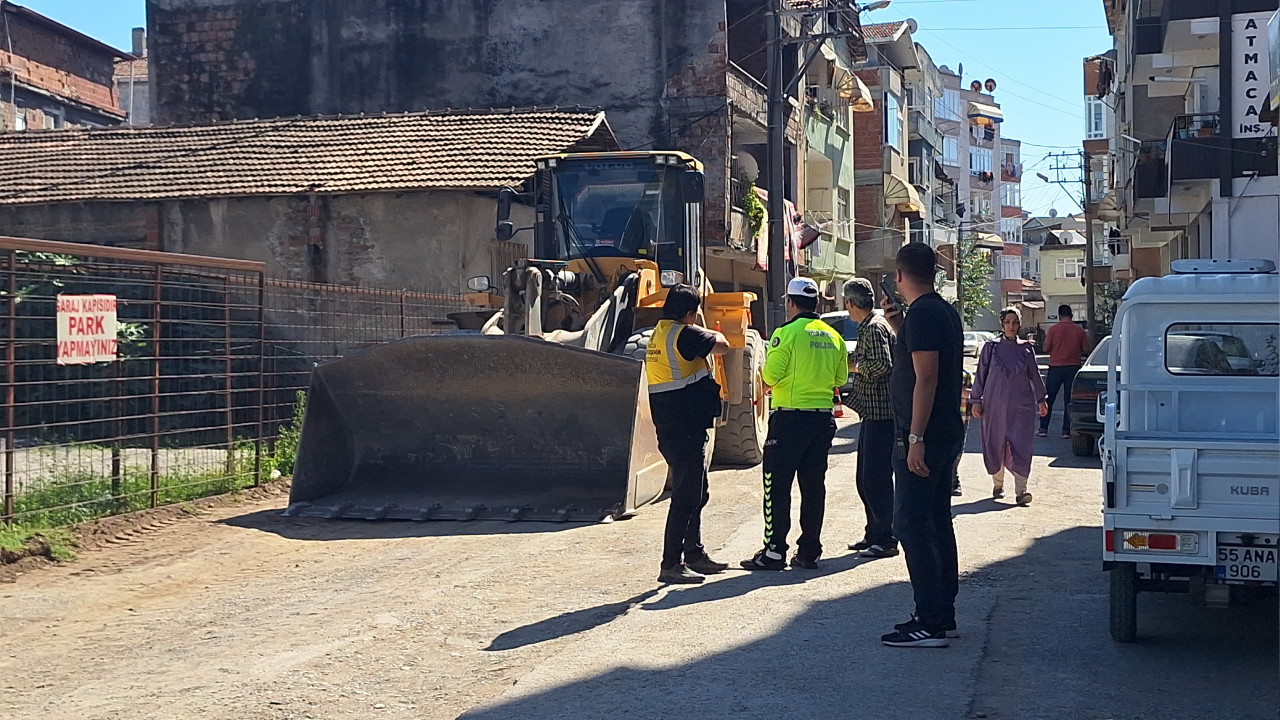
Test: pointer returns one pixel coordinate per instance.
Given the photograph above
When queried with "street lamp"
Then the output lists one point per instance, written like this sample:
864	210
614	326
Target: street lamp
1043	177
878	5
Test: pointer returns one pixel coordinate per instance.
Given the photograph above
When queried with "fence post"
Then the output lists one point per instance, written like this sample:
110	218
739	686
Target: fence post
116	469
228	383
262	351
10	360
157	314
402	315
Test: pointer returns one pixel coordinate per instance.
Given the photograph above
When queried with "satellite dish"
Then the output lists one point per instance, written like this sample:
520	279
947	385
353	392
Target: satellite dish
990	85
1053	212
975	86
960	70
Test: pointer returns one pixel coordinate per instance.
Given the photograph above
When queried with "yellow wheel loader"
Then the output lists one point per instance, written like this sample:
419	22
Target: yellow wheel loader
537	410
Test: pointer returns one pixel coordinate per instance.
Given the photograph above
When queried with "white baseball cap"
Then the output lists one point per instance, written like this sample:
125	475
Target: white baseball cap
802	287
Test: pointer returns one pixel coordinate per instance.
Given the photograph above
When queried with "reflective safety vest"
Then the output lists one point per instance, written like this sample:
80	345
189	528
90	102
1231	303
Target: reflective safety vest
664	366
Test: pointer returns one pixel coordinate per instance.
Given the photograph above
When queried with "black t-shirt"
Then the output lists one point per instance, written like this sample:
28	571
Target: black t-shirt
694	342
930	324
697	405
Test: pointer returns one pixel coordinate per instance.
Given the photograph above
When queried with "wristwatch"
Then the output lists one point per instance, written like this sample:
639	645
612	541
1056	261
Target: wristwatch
914	439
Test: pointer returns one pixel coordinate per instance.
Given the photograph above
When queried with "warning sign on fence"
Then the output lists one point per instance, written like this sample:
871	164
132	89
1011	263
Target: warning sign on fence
86	329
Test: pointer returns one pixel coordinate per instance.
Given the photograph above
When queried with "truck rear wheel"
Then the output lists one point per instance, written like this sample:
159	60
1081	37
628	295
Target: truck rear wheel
740	440
1124	602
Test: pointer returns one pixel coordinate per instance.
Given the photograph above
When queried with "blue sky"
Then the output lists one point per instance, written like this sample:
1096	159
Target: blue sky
1033	50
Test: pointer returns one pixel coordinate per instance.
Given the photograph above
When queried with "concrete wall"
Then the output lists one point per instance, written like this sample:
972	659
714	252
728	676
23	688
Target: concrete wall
430	241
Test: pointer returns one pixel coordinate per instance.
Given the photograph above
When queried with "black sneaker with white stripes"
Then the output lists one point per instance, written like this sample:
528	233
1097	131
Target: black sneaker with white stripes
915	634
949	627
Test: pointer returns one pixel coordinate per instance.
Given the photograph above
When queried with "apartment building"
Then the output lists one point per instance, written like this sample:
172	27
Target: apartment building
53	76
1179	132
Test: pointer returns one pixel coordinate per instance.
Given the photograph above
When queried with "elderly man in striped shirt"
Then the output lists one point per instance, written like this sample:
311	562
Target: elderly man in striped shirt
871	364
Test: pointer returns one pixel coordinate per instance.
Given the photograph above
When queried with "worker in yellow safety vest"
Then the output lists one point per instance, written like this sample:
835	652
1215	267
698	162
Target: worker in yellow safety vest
684	400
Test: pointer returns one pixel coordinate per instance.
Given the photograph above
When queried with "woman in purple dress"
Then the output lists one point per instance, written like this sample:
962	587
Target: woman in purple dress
1007	395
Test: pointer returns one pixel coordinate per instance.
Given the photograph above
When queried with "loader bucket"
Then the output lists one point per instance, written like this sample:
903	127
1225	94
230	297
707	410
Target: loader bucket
471	426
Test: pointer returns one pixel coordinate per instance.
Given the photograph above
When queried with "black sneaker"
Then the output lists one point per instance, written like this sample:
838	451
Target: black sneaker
997	493
762	561
679	575
861	545
955	490
879	551
915	634
804	562
948	627
706	566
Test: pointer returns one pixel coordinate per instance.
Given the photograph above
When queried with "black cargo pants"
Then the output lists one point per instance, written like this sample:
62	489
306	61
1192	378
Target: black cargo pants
797	447
684	446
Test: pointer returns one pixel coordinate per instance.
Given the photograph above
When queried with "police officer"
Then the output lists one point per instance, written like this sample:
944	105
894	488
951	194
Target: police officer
684	399
806	365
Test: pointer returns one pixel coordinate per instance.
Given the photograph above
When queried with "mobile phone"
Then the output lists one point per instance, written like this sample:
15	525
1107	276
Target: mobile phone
889	287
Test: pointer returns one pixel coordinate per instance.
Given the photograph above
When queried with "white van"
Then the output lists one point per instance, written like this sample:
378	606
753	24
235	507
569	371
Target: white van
1191	442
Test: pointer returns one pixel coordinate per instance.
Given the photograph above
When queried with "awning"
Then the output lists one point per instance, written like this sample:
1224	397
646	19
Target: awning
990	241
1033	304
984	114
1106	208
900	194
851	88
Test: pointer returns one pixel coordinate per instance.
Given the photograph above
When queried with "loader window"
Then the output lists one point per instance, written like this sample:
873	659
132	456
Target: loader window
1229	349
617	208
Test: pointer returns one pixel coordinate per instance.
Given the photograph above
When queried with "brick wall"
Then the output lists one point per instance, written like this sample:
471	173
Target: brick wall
60	64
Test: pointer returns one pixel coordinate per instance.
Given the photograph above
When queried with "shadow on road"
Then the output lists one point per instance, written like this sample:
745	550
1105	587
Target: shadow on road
1047	655
984	505
272	521
565	624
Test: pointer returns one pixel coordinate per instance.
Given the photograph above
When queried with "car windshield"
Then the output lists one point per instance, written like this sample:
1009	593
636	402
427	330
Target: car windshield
1099	354
842	324
616	208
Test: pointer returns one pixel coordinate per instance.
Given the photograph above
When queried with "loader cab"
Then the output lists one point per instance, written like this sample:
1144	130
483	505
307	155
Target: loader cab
646	206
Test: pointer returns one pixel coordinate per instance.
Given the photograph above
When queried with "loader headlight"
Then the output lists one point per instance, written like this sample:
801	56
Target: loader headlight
671	278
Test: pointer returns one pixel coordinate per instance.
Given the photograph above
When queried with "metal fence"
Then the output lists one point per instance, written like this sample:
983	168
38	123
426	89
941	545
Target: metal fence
211	360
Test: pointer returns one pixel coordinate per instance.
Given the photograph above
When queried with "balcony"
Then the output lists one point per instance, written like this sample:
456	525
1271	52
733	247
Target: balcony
1195	147
1011	172
922	128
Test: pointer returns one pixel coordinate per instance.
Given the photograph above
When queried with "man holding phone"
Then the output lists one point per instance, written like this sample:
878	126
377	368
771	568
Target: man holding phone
925	394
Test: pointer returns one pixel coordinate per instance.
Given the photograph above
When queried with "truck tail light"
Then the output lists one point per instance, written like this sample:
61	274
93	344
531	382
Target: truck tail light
1110	540
1163	542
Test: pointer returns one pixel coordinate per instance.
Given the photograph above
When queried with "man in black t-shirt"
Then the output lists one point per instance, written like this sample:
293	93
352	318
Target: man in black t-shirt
684	399
925	391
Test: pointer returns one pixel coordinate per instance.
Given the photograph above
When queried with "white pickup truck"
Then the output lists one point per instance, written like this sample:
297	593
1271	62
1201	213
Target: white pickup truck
1191	443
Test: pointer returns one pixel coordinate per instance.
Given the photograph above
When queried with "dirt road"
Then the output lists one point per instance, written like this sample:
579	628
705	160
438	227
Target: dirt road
241	613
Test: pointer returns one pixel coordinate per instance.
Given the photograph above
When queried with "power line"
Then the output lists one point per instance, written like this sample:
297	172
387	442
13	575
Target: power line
1013	28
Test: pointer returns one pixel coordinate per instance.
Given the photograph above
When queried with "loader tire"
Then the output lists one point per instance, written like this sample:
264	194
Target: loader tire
740	441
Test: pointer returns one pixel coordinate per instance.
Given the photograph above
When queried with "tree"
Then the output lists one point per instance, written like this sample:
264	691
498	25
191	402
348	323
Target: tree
974	267
1107	302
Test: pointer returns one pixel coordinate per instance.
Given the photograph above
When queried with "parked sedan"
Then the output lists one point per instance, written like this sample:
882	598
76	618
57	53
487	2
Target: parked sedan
1082	405
973	342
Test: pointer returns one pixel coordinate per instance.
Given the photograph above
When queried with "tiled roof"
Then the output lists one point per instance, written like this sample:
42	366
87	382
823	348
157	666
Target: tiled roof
343	154
139	69
882	31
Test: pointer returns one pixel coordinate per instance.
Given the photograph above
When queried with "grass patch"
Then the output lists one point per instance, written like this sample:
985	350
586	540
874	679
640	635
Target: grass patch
17	541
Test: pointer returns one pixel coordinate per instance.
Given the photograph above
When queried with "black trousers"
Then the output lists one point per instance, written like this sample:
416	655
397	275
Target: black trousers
875	479
797	447
922	522
684	447
1059	377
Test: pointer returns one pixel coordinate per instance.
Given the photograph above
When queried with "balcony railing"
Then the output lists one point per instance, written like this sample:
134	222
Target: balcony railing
1200	125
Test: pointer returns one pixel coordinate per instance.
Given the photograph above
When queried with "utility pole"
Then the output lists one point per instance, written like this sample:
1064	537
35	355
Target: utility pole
1090	315
777	119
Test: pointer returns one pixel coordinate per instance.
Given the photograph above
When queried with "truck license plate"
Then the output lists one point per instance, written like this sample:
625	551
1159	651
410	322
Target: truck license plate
1243	564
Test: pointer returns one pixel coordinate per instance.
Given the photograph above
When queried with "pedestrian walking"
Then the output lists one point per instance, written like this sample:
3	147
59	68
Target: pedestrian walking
684	400
806	365
1067	345
871	364
925	390
1007	395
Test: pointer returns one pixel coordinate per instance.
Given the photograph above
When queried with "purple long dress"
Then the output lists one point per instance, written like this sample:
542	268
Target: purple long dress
1009	386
